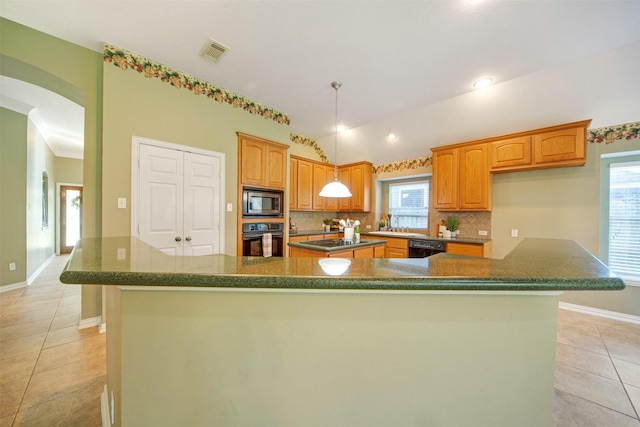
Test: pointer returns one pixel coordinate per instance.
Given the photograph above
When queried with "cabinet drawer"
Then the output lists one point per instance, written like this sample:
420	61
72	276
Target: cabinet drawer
393	242
465	249
396	253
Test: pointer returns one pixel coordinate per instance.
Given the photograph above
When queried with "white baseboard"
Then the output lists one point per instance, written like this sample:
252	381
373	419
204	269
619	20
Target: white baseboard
104	407
622	317
40	269
13	286
90	322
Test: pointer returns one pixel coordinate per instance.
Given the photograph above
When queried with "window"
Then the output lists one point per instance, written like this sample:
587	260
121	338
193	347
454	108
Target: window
409	204
624	219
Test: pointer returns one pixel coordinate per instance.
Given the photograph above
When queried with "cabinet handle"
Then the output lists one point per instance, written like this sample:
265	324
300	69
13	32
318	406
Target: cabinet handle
178	238
188	238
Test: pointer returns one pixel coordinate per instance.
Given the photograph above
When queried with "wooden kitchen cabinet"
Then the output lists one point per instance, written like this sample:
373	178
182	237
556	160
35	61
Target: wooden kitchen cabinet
374	251
396	248
304	194
330	203
470	249
310	177
357	177
262	163
560	147
551	147
511	153
461	178
319	181
293	183
474	178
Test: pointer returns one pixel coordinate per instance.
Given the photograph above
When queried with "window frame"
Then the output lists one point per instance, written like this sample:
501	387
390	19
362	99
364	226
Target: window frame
407	181
605	184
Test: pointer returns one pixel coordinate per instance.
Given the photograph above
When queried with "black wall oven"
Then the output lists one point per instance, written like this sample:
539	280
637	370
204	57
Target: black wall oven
260	202
252	238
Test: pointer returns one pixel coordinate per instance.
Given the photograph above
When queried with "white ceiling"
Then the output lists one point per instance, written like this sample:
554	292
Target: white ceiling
392	56
59	121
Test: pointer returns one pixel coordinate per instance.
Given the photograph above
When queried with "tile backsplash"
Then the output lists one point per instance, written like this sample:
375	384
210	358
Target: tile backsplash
470	222
311	221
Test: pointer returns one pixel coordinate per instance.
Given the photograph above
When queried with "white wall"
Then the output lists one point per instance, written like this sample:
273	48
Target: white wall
605	88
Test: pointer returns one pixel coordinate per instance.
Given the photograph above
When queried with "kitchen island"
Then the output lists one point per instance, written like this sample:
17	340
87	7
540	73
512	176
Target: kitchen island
338	248
221	340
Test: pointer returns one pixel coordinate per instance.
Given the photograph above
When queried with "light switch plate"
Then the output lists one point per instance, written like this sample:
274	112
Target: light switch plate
229	207
514	232
122	203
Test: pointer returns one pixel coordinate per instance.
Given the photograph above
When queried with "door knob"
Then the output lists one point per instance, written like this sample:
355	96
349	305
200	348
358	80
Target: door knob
178	238
188	238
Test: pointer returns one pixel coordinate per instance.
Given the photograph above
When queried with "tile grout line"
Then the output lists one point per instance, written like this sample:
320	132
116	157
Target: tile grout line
615	368
20	408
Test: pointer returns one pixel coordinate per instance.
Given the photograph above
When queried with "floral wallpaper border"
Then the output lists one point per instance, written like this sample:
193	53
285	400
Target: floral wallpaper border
627	131
308	142
419	162
129	61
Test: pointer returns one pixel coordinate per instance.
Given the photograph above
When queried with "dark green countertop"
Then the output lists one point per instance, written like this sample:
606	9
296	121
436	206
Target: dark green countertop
534	265
309	245
397	235
312	232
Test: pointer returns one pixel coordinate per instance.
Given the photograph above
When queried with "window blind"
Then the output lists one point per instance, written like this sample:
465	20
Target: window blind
624	219
409	204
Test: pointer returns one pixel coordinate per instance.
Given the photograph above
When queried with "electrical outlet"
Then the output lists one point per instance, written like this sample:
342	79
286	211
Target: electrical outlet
514	232
12	266
482	232
122	202
122	254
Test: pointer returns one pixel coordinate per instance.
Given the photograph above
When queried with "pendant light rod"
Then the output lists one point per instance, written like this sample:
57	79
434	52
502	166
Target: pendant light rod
336	85
335	188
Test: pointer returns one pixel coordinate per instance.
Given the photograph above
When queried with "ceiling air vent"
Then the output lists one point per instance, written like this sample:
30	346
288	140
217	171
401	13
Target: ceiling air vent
213	51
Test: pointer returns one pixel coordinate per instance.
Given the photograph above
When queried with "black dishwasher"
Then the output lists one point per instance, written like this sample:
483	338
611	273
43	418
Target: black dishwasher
422	248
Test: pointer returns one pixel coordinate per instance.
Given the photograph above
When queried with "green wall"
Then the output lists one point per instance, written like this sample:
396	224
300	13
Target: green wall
13	196
560	203
150	108
69	171
76	73
41	239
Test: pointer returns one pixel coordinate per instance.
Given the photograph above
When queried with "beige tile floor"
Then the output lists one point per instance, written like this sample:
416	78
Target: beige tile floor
51	373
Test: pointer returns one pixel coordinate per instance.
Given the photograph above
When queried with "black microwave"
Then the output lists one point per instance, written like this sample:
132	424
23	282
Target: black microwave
262	202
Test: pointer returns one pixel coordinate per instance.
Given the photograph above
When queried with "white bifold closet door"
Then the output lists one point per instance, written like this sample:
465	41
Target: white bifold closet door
179	201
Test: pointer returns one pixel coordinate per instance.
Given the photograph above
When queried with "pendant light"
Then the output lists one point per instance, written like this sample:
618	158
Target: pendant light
335	188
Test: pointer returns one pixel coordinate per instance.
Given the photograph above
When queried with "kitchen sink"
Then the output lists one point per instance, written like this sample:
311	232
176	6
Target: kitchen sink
396	234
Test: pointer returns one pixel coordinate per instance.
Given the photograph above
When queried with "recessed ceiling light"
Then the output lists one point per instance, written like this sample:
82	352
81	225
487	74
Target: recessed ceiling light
342	128
483	82
391	136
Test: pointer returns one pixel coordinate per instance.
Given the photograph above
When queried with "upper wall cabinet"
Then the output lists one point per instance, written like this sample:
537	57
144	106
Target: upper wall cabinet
308	177
357	177
462	172
263	163
461	178
552	147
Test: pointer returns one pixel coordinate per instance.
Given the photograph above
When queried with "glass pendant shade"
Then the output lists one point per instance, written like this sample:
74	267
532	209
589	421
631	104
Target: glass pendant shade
335	188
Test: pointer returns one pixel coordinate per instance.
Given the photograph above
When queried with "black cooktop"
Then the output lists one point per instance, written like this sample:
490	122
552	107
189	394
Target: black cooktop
328	243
